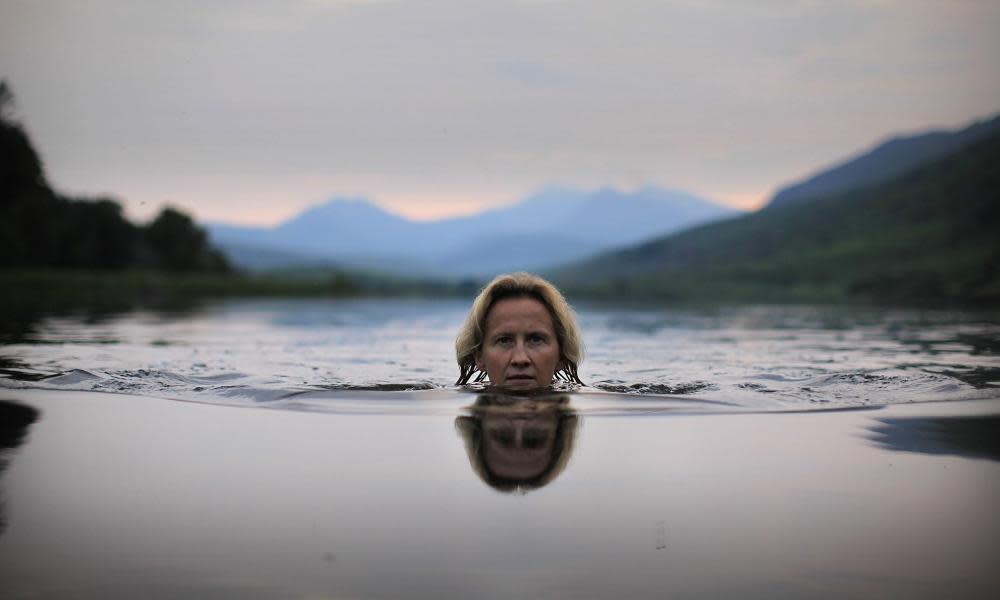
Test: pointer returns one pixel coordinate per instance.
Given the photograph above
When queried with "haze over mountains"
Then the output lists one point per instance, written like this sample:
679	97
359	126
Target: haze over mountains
554	226
914	218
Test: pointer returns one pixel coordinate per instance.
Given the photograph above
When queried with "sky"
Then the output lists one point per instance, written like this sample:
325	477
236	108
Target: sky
251	111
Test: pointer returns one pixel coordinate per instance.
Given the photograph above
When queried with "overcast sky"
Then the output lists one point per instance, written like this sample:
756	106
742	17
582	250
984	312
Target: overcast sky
249	111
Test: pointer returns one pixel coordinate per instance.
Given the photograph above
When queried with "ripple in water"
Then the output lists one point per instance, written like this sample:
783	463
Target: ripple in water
359	355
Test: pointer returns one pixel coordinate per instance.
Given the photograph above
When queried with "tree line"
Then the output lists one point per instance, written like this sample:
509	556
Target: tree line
40	227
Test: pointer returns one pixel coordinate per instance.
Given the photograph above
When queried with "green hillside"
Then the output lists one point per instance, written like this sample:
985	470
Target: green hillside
930	235
886	161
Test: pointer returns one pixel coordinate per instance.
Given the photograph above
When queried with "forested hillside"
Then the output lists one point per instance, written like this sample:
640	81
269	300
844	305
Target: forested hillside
886	161
929	235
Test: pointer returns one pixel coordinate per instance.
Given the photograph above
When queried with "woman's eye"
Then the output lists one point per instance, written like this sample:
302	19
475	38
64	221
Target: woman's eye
504	437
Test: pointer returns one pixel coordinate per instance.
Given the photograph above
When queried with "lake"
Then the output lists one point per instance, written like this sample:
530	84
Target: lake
318	448
759	358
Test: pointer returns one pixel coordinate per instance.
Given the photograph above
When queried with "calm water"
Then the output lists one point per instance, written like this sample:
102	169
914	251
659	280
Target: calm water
349	355
697	463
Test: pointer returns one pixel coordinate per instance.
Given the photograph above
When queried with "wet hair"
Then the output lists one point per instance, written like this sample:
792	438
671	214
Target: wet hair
470	429
519	285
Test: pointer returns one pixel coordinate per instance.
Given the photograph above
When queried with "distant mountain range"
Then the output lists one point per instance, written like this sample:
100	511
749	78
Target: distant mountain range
885	229
554	226
914	219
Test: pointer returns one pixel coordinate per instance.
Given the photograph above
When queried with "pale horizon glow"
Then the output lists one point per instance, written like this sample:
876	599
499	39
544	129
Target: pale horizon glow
431	208
252	112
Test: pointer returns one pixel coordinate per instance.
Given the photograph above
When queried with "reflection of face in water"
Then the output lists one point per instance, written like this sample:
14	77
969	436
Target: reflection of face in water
518	443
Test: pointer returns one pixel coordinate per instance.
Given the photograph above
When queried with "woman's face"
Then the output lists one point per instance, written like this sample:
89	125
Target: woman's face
520	350
519	441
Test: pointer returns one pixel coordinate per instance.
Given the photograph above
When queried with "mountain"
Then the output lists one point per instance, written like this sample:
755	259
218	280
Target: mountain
929	234
884	162
345	226
336	227
556	225
606	217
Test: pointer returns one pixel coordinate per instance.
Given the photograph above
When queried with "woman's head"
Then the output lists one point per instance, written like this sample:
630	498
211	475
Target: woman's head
520	333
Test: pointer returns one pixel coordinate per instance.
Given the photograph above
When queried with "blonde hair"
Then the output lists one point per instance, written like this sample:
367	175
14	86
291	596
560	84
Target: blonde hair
519	285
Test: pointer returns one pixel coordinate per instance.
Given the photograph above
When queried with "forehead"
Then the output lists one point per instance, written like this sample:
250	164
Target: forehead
518	313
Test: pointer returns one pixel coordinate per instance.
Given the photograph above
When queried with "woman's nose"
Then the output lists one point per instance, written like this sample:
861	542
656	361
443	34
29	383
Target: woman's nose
520	355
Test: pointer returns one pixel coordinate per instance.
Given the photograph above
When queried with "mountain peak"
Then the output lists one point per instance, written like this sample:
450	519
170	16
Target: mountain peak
341	212
557	224
342	205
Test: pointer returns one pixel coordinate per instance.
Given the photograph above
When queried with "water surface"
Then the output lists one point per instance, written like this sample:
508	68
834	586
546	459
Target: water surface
752	452
306	354
118	496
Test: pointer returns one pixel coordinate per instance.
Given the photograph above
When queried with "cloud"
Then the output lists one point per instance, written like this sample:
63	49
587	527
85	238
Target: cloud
529	73
408	101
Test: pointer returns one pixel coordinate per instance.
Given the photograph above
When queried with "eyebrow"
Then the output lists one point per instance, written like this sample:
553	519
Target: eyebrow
540	332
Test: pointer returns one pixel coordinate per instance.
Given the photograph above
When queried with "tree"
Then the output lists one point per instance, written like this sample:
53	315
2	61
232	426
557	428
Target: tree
178	244
41	228
25	197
